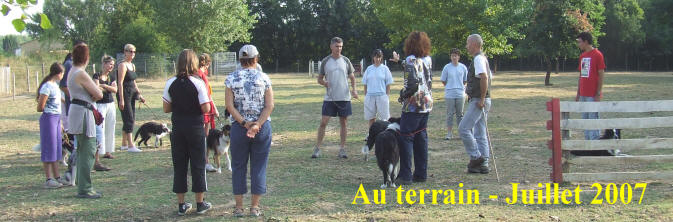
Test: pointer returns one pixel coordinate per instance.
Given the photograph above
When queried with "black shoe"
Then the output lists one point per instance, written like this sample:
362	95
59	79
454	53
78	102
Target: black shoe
90	195
474	166
403	182
202	208
183	208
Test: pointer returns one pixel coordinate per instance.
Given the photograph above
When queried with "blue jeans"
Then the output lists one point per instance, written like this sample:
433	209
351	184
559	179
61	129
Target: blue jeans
590	134
472	129
416	145
256	150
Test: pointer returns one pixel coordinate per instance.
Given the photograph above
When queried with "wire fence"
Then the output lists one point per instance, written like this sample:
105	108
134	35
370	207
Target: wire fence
18	79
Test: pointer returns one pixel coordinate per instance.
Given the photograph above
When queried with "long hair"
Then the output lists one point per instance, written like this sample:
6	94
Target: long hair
188	64
54	70
417	44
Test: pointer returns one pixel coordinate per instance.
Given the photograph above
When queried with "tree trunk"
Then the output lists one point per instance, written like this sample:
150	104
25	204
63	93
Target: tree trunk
547	60
276	64
557	65
626	61
495	64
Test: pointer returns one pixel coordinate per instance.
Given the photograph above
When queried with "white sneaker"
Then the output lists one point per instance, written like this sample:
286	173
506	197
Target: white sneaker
122	148
134	150
52	184
210	168
219	170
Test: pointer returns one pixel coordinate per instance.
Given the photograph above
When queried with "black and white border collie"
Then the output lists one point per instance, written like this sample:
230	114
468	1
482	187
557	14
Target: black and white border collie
149	129
218	141
384	136
608	134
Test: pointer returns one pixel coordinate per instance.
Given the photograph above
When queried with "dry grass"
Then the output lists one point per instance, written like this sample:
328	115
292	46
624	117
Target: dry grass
300	188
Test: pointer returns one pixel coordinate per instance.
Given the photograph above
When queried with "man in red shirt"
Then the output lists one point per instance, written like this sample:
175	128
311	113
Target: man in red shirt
592	70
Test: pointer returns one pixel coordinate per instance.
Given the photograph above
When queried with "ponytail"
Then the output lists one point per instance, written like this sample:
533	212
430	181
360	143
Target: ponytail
54	70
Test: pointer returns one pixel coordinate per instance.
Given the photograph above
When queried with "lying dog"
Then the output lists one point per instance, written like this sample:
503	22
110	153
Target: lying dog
387	149
218	142
607	135
149	129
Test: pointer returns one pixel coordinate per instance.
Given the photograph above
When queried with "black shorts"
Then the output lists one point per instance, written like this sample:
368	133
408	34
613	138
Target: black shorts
336	108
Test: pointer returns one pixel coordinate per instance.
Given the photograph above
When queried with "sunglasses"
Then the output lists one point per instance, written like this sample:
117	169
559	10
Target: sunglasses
131	51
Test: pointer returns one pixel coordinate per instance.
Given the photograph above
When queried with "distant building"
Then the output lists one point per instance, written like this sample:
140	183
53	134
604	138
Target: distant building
35	46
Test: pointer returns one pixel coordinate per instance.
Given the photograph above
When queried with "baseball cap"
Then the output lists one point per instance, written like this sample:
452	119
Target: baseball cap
248	52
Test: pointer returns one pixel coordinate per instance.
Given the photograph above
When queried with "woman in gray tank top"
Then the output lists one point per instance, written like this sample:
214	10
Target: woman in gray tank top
83	93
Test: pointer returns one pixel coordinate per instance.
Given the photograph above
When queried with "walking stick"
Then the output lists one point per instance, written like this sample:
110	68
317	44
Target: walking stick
490	146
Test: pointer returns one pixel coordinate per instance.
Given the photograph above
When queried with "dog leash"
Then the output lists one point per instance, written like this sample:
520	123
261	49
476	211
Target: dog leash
490	146
152	112
411	134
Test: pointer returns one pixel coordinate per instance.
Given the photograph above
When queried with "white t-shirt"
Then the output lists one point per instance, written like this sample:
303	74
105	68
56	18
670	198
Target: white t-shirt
376	78
481	66
53	93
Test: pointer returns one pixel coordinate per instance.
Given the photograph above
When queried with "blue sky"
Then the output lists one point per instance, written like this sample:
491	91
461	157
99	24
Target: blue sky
6	26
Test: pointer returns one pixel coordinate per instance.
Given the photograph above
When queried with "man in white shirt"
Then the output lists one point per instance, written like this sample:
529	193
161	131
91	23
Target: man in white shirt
472	127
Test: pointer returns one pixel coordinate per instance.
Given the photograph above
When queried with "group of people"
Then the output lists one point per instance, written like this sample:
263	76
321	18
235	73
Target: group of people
459	82
416	99
249	99
71	101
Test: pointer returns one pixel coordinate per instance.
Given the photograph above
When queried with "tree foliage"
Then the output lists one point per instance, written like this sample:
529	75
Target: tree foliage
448	23
205	26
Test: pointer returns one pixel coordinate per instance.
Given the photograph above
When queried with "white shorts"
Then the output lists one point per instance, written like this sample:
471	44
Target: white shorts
377	106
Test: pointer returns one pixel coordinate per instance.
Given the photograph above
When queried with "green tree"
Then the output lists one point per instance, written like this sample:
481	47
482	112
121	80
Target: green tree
658	27
290	32
555	25
205	26
448	23
623	30
9	44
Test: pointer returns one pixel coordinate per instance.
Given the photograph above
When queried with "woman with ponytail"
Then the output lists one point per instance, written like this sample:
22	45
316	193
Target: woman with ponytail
49	103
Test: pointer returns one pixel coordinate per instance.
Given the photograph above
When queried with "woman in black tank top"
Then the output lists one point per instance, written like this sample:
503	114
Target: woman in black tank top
127	94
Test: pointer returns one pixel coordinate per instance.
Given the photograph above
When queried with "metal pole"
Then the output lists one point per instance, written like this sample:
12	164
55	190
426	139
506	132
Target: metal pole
42	70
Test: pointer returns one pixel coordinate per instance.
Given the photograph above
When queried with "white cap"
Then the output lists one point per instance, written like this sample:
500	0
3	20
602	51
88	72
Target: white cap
248	52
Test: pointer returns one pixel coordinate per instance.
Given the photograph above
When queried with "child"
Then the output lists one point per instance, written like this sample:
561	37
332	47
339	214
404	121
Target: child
49	103
454	78
377	80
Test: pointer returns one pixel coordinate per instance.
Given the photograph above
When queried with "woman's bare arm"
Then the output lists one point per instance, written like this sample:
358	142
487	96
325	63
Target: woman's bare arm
41	102
268	107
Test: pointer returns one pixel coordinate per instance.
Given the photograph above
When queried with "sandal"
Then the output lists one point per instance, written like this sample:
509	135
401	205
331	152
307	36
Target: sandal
255	211
238	212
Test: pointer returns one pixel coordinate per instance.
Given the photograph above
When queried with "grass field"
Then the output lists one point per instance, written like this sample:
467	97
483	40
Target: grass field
300	188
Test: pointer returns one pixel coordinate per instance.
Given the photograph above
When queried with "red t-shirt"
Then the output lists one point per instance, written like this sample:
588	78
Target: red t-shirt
204	77
590	63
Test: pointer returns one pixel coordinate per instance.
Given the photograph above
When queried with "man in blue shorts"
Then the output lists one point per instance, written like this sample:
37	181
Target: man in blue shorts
335	72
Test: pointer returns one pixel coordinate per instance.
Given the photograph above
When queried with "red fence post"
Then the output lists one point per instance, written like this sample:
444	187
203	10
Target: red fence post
554	106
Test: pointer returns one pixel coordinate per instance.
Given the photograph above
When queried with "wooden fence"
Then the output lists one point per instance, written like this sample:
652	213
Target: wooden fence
561	145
